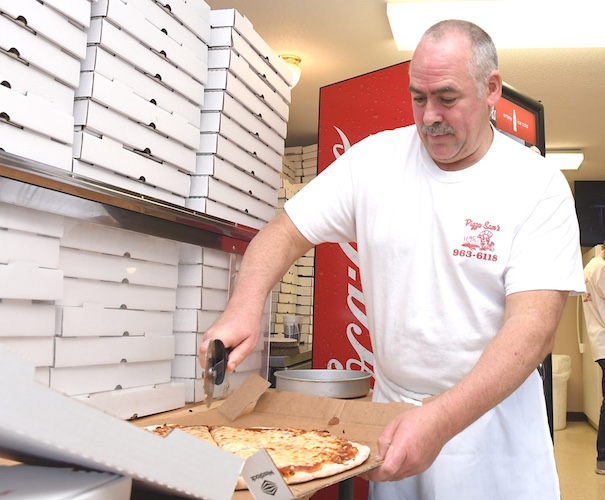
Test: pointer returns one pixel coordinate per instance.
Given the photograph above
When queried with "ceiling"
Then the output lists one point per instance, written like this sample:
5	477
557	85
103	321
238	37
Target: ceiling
340	39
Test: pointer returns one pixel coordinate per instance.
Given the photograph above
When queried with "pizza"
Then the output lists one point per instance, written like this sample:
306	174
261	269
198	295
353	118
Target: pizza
299	455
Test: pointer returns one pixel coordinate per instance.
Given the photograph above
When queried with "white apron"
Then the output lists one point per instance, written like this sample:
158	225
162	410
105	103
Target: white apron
506	454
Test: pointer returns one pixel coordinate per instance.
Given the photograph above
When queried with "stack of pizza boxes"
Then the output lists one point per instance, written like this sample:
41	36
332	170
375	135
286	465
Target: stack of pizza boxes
42	46
305	269
202	294
115	345
31	281
243	122
141	89
206	278
293	295
302	163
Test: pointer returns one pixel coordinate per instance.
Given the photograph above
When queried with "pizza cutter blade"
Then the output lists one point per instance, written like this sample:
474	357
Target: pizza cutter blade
215	367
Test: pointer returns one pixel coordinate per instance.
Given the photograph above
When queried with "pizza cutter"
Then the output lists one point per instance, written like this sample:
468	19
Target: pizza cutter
215	368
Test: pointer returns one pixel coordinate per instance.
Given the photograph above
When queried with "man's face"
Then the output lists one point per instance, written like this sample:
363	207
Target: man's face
451	118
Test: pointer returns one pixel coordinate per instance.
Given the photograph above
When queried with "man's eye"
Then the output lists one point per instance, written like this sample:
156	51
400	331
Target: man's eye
419	100
448	101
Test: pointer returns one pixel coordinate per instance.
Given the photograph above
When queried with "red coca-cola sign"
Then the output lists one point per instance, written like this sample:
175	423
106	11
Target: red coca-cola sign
348	112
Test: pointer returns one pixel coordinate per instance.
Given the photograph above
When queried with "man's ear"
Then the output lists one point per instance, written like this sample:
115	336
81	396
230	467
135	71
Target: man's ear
494	88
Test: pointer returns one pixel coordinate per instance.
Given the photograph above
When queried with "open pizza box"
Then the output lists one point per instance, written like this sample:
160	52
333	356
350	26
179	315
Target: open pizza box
253	404
41	426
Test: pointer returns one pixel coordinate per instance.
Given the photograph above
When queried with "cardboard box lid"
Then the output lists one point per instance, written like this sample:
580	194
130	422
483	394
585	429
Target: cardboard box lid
37	423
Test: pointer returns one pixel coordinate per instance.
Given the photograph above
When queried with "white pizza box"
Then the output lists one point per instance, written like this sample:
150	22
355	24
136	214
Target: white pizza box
193	297
205	186
135	187
144	85
229	38
267	179
204	276
25	318
95	320
40	424
187	343
97	118
83	351
169	25
211	121
194	389
38	52
194	320
254	404
23	279
294	150
138	401
187	366
97	266
79	380
36	114
33	146
42	375
119	42
108	158
47	23
19	245
28	80
238	135
242	26
132	21
194	14
30	220
287	298
222	211
38	351
228	80
114	241
59	483
219	58
77	11
195	254
77	292
122	98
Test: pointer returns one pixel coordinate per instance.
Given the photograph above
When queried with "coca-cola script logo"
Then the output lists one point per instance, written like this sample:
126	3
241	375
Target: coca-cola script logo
355	298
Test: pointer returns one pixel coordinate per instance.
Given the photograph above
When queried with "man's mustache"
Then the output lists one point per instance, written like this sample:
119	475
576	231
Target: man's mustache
437	129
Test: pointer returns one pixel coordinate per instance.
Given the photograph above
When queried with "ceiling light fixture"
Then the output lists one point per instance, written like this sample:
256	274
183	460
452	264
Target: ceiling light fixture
512	24
293	63
565	159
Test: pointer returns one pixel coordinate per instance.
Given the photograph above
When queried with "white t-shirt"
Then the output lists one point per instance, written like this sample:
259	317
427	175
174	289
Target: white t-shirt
594	306
438	253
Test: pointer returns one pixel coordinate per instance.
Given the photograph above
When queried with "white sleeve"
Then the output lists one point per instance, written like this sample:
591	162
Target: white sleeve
545	253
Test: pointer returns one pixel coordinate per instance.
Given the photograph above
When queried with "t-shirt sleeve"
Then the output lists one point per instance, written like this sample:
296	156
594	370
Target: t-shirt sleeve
324	210
545	252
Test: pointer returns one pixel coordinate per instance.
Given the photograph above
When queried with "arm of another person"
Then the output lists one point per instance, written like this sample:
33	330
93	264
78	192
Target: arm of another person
266	260
412	441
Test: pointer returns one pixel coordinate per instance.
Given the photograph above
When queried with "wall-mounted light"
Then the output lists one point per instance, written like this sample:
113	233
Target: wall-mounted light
293	63
565	159
512	24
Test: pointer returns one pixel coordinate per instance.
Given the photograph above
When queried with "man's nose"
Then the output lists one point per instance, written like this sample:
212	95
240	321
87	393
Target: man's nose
432	114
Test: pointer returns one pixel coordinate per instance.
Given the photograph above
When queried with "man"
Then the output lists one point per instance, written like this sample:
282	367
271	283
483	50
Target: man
448	315
594	315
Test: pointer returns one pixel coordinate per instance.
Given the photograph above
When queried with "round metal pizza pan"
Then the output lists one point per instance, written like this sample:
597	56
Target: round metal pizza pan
340	384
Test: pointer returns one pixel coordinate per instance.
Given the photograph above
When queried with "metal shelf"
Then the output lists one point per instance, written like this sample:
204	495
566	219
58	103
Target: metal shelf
43	187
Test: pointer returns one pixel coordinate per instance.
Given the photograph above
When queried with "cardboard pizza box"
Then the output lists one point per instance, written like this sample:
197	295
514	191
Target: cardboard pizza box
39	425
253	404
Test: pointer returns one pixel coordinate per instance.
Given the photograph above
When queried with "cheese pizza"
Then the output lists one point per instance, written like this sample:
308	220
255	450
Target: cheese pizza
299	455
